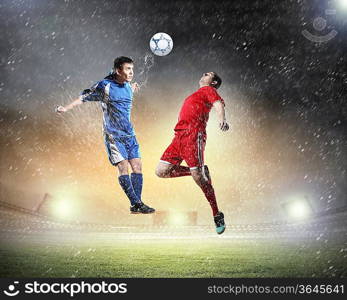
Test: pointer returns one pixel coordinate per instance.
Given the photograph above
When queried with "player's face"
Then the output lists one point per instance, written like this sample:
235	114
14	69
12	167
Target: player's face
206	79
126	73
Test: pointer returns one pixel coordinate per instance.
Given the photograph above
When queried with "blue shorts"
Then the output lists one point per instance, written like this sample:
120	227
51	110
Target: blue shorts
124	148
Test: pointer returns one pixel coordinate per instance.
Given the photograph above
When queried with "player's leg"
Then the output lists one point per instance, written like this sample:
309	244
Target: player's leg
207	173
134	155
126	183
123	167
136	165
136	175
169	164
204	183
117	156
168	170
193	154
207	188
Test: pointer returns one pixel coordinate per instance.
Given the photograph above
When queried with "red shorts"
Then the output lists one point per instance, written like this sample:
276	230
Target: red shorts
188	146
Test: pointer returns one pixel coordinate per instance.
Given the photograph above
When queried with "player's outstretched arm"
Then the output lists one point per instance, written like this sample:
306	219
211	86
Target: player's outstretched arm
61	109
219	106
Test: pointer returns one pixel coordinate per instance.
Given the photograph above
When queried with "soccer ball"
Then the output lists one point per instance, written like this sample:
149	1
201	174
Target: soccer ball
161	44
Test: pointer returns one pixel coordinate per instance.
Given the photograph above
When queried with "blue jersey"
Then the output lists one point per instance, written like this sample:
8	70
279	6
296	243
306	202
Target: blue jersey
116	102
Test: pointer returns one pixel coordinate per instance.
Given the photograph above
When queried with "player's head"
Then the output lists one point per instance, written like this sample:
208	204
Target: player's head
123	68
210	79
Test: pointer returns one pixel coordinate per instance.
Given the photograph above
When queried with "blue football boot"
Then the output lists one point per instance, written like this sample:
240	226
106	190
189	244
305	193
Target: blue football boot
219	221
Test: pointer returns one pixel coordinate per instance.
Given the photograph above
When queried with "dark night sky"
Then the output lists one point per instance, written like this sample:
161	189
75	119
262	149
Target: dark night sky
51	50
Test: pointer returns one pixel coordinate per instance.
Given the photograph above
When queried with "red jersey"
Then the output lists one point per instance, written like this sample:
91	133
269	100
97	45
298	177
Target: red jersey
196	108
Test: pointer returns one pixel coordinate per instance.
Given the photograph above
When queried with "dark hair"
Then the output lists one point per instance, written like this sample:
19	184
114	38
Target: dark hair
119	61
217	79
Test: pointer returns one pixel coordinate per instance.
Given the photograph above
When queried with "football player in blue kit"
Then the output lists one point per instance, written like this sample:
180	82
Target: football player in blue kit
115	94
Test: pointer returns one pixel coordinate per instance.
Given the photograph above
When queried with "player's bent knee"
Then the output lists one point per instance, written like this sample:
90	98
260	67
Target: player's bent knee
137	169
159	173
198	177
136	165
123	167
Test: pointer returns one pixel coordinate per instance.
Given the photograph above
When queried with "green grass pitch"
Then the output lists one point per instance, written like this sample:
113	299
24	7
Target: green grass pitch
169	258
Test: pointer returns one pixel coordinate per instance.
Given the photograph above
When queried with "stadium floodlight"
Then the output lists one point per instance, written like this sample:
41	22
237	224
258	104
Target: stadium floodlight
62	209
177	218
298	208
342	4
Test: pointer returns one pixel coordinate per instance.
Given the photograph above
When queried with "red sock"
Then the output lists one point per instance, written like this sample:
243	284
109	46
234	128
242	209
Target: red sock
179	171
211	197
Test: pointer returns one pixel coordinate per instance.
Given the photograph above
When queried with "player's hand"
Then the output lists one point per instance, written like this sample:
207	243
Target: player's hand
224	126
60	109
135	87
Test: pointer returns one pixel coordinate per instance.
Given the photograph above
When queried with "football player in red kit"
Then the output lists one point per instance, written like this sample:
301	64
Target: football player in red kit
189	141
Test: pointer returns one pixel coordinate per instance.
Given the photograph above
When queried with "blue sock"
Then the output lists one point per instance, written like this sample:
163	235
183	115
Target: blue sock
137	181
125	183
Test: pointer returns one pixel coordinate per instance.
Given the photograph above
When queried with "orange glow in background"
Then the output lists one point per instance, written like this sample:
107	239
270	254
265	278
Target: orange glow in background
65	157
